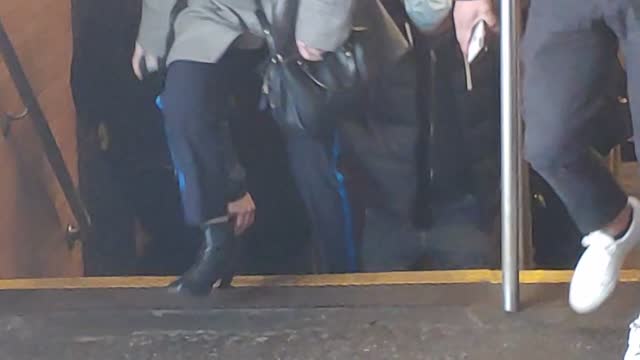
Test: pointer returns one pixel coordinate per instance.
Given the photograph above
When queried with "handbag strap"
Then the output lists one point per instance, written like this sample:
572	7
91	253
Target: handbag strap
278	32
267	31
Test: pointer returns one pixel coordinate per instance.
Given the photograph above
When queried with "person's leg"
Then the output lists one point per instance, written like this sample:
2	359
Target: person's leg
384	147
390	243
567	48
197	138
314	168
563	71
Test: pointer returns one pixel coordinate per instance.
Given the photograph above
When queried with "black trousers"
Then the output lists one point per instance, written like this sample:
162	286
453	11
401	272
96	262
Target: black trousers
197	107
384	149
314	166
567	51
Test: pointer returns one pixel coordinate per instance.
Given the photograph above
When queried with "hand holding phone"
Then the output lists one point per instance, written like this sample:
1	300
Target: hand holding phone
478	41
477	44
467	16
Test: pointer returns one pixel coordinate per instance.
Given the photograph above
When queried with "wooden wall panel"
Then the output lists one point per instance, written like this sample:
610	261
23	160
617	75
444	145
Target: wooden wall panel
33	210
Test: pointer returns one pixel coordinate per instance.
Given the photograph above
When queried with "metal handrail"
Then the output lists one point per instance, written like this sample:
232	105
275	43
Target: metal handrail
51	148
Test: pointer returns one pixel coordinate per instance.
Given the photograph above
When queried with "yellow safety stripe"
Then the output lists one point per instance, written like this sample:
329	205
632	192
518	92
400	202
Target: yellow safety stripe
367	279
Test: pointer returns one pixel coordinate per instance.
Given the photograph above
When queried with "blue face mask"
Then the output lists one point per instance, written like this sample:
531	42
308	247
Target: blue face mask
427	15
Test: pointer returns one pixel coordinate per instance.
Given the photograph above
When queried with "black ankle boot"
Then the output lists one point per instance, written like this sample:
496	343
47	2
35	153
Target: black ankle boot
214	262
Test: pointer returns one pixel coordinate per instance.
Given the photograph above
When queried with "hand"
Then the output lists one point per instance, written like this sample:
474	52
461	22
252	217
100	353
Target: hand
466	14
309	53
243	213
138	54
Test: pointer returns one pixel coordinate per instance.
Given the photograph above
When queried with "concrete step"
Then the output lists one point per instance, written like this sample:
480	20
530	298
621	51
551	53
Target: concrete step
439	322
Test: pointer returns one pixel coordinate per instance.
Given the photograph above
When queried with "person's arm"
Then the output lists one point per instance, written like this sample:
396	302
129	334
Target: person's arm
241	208
155	25
153	33
323	25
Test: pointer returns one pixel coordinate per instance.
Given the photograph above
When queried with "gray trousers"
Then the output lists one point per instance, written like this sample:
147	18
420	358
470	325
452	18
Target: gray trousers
567	51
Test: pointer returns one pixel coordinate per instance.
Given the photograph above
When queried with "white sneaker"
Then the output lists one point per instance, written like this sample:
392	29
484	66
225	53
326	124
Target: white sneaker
633	351
597	272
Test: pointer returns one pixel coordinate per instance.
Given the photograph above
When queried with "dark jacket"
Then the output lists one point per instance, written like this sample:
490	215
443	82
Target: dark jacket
462	137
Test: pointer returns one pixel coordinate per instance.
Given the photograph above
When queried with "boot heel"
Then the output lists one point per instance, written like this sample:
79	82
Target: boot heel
212	263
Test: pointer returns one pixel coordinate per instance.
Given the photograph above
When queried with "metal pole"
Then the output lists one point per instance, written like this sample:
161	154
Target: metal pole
511	152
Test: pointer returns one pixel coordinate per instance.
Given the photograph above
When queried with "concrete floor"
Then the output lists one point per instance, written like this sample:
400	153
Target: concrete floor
407	322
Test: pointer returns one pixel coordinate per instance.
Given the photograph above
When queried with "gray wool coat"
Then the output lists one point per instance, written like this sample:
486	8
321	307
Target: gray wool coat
207	28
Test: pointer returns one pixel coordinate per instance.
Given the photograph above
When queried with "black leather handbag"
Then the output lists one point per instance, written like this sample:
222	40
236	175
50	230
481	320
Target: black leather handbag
311	97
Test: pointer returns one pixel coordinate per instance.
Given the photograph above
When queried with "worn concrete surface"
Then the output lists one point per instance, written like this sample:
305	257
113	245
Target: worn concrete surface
413	322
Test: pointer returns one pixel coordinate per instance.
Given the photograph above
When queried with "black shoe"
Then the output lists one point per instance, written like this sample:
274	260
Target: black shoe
214	263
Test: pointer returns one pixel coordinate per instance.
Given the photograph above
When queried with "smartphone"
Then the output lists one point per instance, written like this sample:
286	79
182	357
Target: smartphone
478	41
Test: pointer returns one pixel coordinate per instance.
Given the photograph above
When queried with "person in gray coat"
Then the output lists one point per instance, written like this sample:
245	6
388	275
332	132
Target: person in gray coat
203	46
